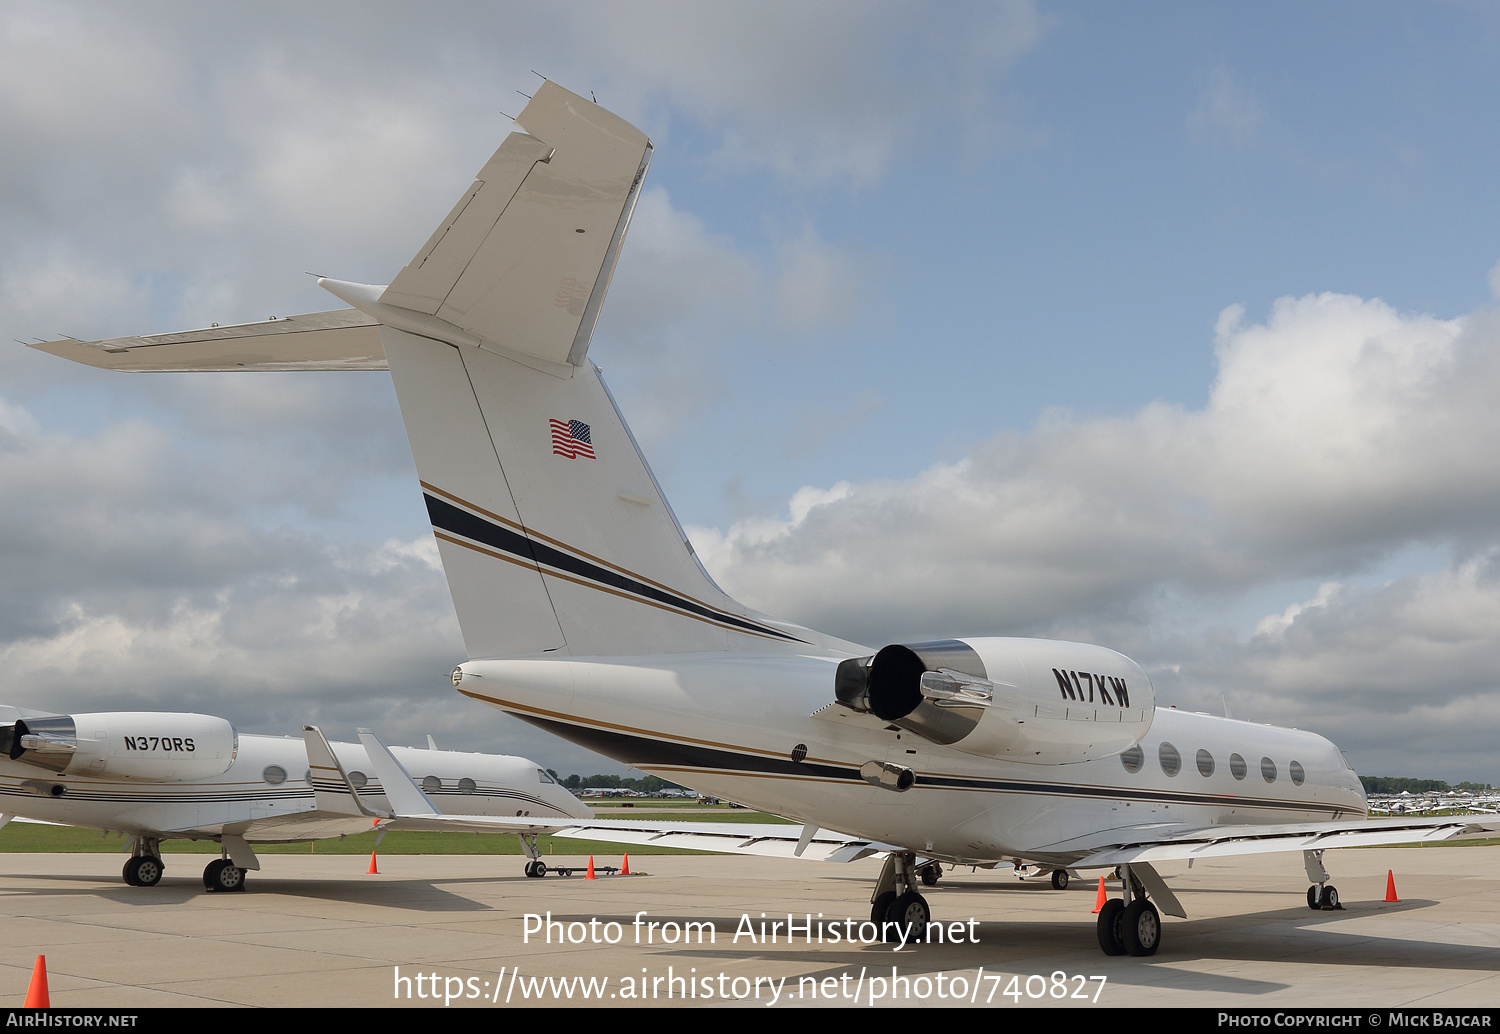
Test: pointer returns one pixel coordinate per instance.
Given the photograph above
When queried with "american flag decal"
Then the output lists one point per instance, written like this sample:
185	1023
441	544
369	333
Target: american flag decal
571	438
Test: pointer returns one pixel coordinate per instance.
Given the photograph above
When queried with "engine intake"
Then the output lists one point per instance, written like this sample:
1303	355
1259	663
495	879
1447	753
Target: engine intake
1039	701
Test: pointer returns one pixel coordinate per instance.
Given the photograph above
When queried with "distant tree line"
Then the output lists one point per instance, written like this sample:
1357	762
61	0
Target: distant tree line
1397	784
646	784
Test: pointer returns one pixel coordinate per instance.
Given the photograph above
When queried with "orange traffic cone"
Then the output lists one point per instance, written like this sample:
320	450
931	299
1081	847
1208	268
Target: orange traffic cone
1390	886
1100	898
625	866
373	871
36	993
591	875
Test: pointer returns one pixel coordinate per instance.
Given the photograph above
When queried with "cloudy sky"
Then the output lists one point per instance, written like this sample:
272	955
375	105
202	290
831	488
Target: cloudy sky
1169	327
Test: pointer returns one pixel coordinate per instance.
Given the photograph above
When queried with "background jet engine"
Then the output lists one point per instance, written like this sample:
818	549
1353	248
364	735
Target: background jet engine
153	747
1039	701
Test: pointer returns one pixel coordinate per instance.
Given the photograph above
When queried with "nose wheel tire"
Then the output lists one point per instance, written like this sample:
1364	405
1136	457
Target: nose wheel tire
1060	879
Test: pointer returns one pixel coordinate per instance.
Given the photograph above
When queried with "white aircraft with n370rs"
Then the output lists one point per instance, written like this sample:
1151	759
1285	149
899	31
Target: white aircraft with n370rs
155	776
585	612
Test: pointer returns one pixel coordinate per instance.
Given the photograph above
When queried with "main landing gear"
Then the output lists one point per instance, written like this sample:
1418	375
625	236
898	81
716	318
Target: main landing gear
895	905
223	875
143	868
1131	925
1027	870
1322	895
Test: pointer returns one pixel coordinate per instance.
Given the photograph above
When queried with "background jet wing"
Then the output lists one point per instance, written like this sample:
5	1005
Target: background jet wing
343	339
1167	843
414	810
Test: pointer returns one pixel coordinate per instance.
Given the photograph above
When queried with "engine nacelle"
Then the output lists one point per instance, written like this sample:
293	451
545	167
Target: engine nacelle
150	746
1040	701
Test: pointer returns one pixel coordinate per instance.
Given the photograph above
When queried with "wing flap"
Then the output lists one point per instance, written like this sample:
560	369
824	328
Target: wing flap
341	339
763	839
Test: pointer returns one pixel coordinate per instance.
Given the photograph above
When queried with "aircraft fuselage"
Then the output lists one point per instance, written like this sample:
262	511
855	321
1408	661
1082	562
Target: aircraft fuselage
743	728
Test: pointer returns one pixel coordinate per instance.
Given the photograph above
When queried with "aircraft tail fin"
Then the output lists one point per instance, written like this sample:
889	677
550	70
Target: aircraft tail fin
554	534
525	257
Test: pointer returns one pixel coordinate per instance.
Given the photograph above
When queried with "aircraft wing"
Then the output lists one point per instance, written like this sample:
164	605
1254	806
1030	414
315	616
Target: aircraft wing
411	809
765	839
343	339
1168	843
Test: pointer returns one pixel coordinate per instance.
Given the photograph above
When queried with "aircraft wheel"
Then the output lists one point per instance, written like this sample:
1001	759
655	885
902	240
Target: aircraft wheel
1329	899
143	871
1059	879
540	869
910	911
931	873
530	869
1108	927
1315	897
1140	927
128	873
223	875
880	908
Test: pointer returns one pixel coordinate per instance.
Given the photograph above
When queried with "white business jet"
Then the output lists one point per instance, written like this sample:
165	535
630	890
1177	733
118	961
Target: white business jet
161	776
585	611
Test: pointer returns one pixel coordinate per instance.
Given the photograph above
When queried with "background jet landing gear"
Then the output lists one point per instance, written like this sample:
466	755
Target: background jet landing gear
144	868
1322	895
1129	926
1060	879
223	875
931	873
896	900
535	867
